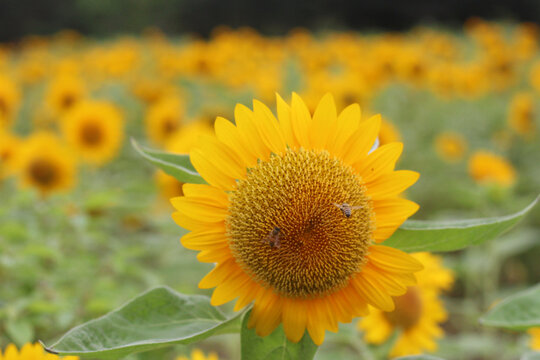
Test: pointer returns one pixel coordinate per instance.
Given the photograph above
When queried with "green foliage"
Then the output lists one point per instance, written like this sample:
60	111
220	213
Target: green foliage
160	317
416	235
518	312
176	165
274	346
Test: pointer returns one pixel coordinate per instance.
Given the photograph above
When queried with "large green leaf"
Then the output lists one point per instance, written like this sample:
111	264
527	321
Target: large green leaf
452	235
517	312
156	318
176	165
274	346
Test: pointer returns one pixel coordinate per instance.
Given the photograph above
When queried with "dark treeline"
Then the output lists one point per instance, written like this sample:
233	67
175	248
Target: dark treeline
105	17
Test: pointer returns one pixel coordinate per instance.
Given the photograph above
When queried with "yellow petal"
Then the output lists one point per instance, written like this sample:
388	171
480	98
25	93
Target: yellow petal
230	288
381	161
324	122
209	172
269	129
347	124
194	224
391	184
357	147
391	259
212	195
374	292
390	214
301	120
246	127
222	157
228	134
219	273
285	122
294	319
204	240
200	210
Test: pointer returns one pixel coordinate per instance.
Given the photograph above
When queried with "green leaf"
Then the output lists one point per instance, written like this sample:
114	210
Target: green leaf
419	357
517	312
177	165
415	235
157	318
274	346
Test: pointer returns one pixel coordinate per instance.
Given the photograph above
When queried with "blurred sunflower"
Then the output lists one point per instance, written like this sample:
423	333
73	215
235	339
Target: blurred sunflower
30	352
45	164
64	92
486	167
535	338
9	101
95	130
163	119
418	313
180	143
450	146
9	147
521	114
293	214
197	354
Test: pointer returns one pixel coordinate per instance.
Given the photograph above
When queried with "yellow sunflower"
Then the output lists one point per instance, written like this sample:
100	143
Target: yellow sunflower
45	164
163	119
197	354
95	130
450	146
9	148
486	167
535	338
9	101
293	214
64	92
521	114
30	352
417	315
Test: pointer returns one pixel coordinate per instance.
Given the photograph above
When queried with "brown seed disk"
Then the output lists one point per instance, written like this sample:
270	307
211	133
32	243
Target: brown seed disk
319	247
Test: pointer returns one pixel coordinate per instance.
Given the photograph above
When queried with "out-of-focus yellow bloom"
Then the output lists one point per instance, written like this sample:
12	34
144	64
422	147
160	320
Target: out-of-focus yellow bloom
95	130
151	90
521	114
30	352
9	101
525	43
486	167
64	92
535	338
417	314
180	143
163	119
450	146
197	354
10	146
45	164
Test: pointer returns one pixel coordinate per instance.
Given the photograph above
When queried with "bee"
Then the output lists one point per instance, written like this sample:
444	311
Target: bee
347	209
274	237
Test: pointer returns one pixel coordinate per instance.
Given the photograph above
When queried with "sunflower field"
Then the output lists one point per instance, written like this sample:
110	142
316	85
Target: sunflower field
319	195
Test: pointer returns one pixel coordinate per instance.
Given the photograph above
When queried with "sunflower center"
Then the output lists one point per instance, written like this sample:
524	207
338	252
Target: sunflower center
169	126
43	172
67	101
91	134
408	309
301	223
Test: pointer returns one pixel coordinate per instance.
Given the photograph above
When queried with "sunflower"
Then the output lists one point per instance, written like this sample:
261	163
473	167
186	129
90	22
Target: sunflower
94	130
293	214
535	338
45	164
9	147
450	146
30	352
64	92
486	167
197	354
417	315
163	119
9	101
521	114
